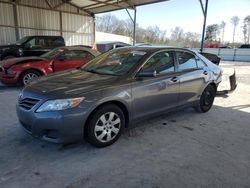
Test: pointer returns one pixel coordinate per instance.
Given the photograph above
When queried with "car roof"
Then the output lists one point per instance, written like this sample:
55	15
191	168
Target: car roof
94	52
112	42
155	48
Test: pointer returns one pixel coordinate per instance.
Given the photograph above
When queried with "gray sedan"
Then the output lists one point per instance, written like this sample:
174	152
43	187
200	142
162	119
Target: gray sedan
114	90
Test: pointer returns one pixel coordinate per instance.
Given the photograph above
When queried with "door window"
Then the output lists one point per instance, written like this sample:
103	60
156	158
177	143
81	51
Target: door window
186	61
36	42
75	54
162	62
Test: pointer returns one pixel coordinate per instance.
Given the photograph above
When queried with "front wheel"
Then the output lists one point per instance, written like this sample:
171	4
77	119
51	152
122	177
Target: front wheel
206	99
29	76
105	125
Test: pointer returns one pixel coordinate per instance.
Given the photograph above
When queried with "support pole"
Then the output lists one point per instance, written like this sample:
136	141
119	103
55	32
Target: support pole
16	22
134	33
204	23
134	23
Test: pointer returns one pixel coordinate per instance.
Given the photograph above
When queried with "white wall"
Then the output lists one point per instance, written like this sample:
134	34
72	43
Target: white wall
39	19
100	36
228	54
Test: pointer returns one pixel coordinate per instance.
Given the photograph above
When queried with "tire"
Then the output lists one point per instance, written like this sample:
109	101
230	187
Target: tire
29	76
105	125
206	99
9	57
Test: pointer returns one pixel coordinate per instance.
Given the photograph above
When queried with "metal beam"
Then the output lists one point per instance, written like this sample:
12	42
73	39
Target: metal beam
129	15
49	5
204	23
16	21
134	33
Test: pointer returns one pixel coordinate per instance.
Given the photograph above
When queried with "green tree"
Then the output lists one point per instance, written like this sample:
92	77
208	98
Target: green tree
222	27
235	22
246	29
211	32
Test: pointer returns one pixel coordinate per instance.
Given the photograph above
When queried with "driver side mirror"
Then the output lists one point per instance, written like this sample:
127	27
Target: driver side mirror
142	73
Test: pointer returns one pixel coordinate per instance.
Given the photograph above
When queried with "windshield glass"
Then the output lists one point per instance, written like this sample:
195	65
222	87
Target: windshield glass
115	62
22	40
52	53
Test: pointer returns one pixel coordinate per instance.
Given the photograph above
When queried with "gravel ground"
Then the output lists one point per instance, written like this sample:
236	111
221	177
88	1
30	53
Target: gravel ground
178	149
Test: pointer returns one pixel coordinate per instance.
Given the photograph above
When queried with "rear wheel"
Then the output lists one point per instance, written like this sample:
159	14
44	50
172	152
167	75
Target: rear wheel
206	99
105	125
29	76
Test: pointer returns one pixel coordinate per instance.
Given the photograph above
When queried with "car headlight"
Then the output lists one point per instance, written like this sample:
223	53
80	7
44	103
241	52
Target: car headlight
59	104
10	71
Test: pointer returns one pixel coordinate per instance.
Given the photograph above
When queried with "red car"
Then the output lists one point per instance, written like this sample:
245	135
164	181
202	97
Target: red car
25	69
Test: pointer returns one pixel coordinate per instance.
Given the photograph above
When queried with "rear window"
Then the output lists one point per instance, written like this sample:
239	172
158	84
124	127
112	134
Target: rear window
186	60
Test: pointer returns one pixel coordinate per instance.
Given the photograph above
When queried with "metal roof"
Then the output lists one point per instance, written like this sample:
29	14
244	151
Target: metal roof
101	6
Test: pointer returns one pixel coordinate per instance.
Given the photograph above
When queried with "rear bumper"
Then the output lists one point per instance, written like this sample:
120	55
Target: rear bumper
233	85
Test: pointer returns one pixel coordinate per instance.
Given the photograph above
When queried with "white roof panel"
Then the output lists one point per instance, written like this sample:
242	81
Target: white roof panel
100	6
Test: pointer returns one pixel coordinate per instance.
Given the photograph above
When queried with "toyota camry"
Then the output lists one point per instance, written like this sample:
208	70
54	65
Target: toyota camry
98	100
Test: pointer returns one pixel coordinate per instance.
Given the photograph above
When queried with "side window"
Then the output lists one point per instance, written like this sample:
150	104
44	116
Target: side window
186	60
31	42
162	62
75	54
40	42
89	55
57	42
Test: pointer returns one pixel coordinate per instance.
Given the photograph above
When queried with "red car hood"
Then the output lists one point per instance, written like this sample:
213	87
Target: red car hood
9	62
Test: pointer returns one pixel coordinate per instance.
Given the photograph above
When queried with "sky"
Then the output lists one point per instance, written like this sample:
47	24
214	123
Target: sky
188	15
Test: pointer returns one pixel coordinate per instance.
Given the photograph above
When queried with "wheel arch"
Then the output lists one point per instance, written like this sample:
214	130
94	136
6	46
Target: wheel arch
29	69
120	104
214	86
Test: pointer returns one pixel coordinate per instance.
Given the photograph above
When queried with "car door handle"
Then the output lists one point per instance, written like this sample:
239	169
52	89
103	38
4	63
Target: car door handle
174	79
205	72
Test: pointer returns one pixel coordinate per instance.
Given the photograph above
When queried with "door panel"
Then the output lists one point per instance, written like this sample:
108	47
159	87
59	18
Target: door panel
71	59
191	86
156	94
192	78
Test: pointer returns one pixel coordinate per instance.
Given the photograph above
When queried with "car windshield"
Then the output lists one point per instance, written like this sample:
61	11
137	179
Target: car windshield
52	53
115	62
22	40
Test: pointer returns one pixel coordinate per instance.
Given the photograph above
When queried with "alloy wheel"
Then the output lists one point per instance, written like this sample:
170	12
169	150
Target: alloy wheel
107	127
29	77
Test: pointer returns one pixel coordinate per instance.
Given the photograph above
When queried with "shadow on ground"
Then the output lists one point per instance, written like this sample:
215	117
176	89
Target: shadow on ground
178	149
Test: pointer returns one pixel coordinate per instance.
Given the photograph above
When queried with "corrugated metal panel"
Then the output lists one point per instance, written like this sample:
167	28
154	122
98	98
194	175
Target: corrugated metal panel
6	14
77	39
27	32
77	23
7	35
35	3
38	18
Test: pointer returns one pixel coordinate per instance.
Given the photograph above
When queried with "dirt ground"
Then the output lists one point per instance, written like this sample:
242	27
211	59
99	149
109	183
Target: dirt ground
178	149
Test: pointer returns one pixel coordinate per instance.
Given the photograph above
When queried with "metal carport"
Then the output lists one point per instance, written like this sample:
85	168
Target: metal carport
22	17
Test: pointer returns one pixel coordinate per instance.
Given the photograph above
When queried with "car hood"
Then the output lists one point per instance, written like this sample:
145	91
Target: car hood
7	46
14	61
70	83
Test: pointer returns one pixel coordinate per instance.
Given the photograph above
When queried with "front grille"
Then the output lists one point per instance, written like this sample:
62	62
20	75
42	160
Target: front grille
27	103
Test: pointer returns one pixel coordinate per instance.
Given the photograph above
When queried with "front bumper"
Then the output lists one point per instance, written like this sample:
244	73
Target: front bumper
65	126
8	79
